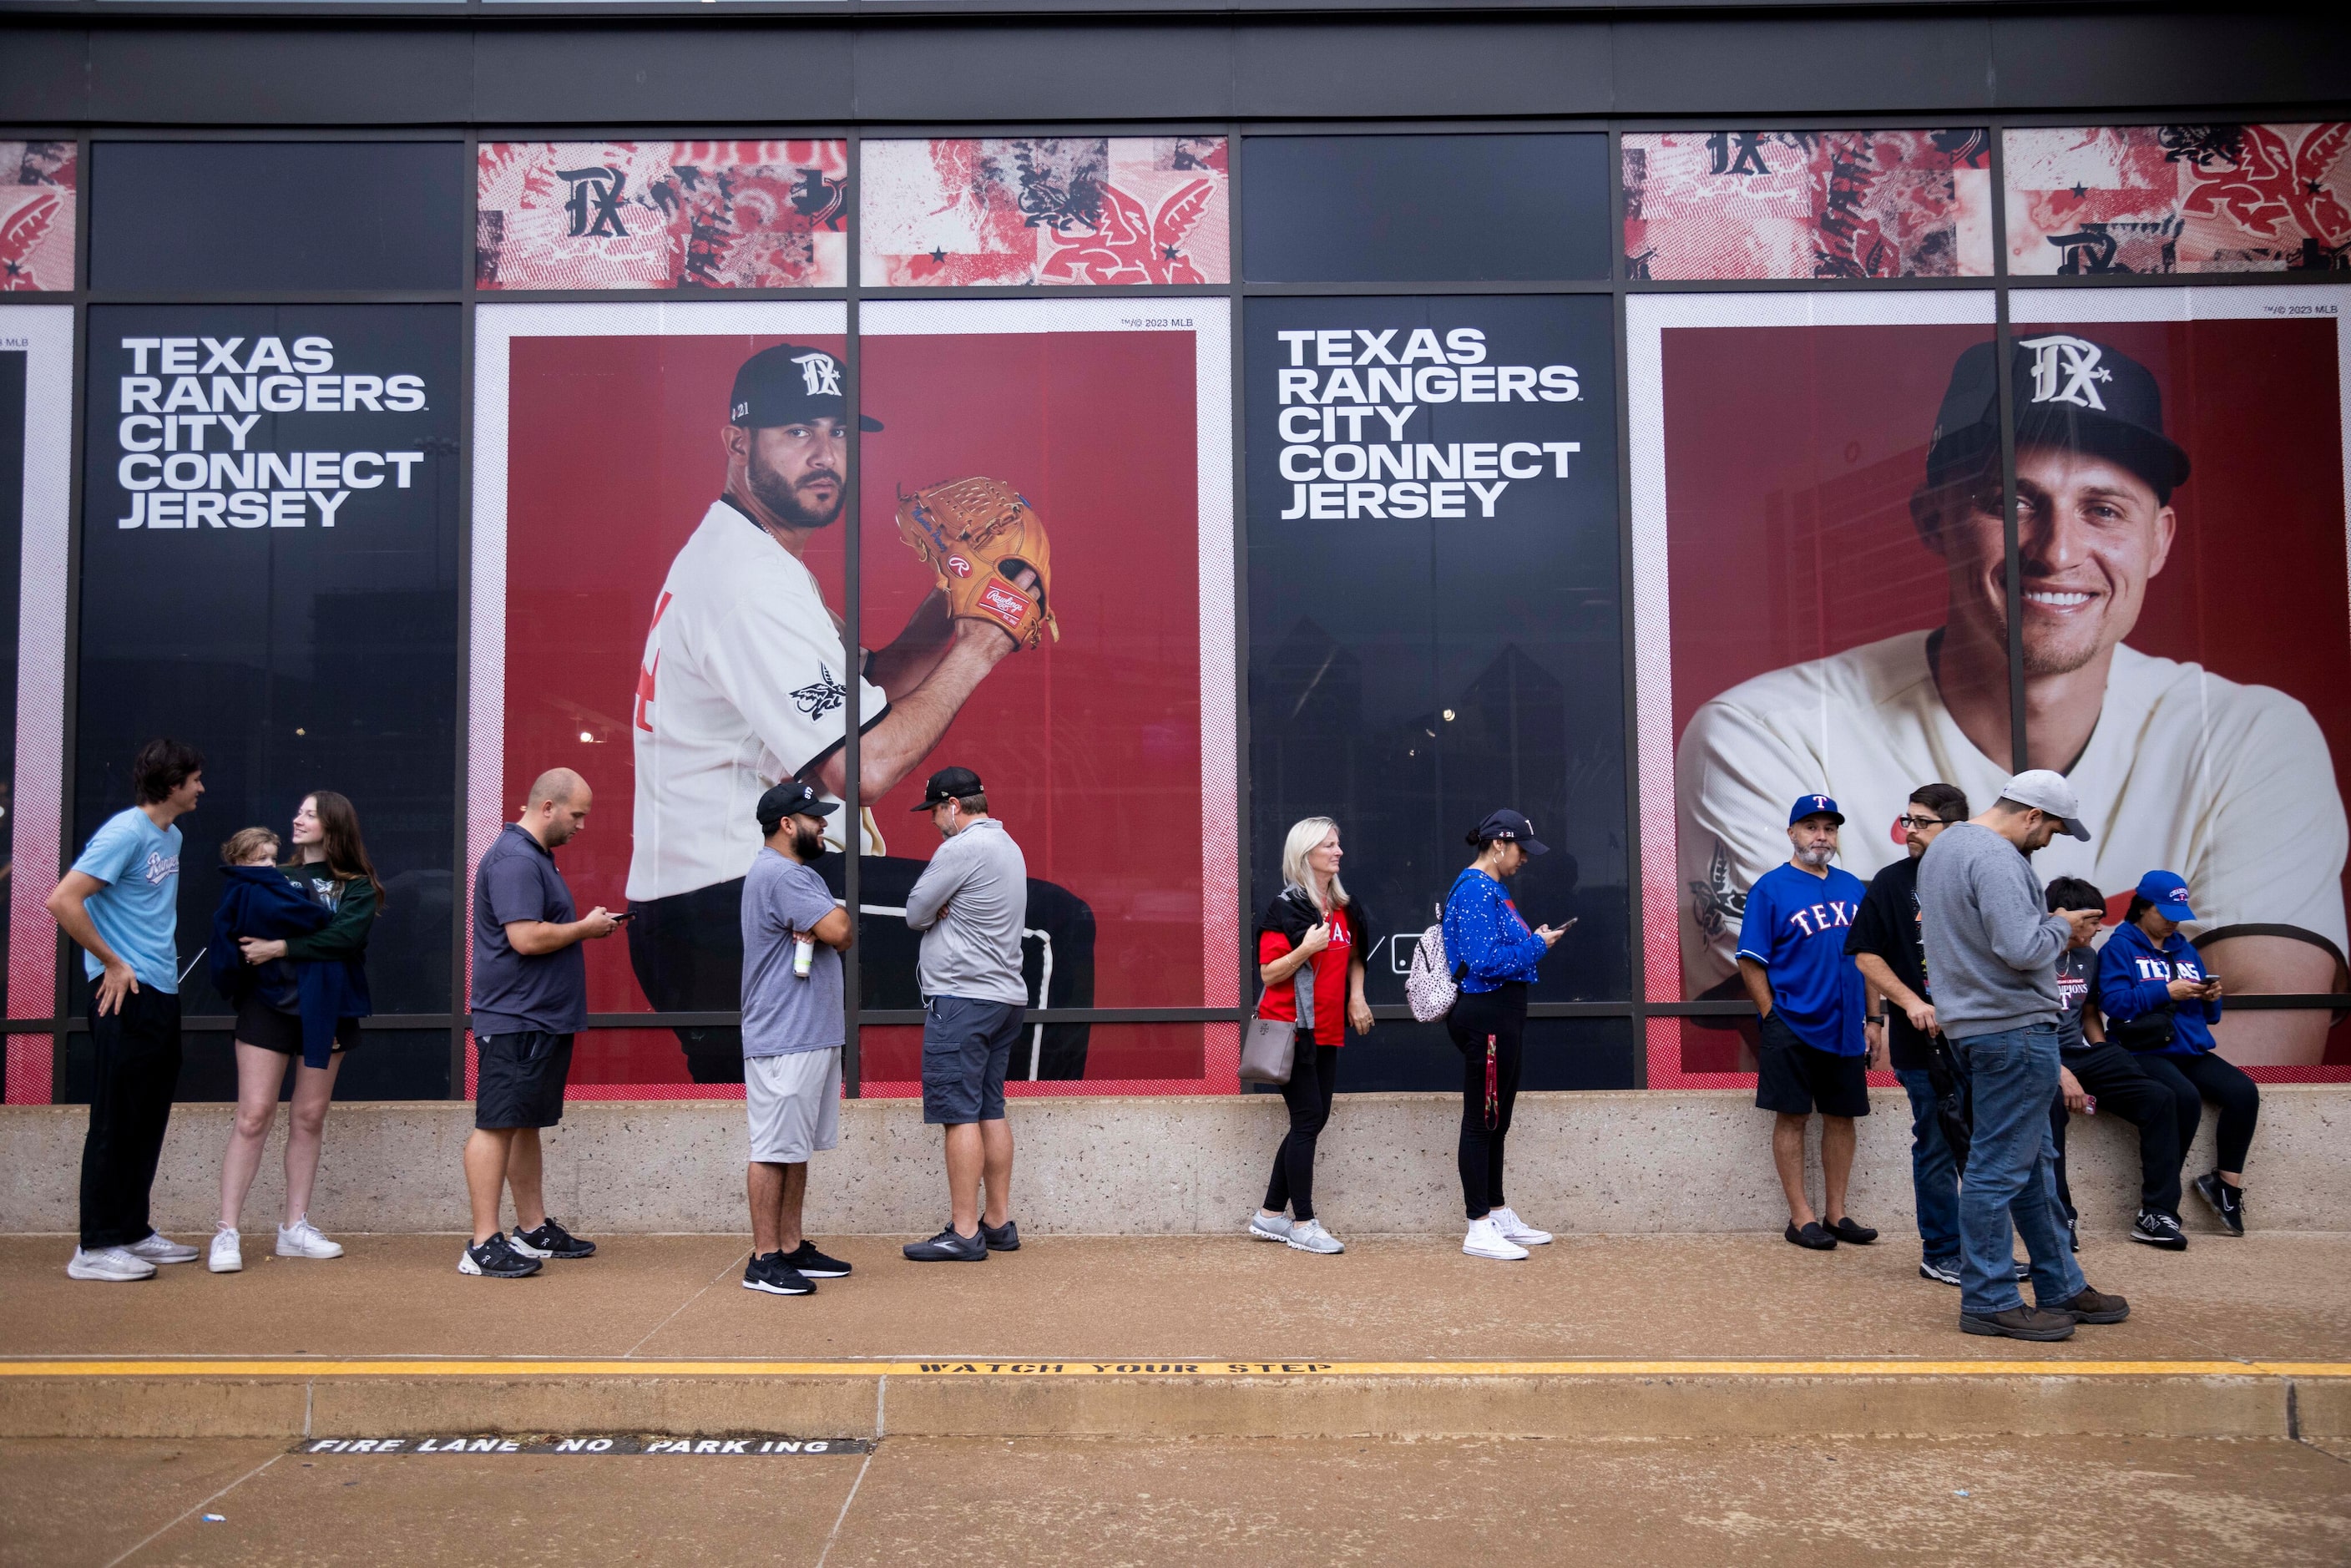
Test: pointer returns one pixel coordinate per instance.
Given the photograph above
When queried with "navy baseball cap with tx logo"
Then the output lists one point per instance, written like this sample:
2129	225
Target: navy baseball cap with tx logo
1814	806
787	384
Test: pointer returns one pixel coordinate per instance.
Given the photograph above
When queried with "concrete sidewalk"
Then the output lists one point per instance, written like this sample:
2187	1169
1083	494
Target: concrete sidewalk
1655	1336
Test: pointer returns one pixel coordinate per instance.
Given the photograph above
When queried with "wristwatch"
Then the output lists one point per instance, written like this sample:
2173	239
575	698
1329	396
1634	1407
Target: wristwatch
1873	1017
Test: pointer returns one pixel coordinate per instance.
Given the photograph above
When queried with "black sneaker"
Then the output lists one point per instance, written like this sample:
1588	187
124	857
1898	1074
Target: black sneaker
2072	1233
1813	1238
551	1241
773	1273
2227	1202
2158	1229
1942	1270
494	1259
946	1247
1004	1237
1849	1230
814	1264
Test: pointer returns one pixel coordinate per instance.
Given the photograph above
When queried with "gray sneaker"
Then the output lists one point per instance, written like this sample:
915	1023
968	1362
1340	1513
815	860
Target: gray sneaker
108	1263
158	1247
947	1247
1275	1227
1308	1236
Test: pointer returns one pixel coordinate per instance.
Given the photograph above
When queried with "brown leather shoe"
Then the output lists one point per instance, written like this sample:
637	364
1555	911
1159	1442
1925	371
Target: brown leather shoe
2098	1307
2020	1322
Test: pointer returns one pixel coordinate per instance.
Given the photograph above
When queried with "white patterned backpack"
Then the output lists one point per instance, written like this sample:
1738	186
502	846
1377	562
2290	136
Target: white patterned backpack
1432	983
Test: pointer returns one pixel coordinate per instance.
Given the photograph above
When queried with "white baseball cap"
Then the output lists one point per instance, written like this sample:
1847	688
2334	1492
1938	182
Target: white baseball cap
2049	792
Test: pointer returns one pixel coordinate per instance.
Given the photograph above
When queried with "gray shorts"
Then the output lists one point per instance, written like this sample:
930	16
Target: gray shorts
794	1104
966	1045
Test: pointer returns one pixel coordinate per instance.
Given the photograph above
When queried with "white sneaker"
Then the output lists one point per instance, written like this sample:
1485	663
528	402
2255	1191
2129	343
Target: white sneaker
1515	1230
1308	1236
1270	1227
228	1254
1486	1240
109	1264
301	1239
159	1247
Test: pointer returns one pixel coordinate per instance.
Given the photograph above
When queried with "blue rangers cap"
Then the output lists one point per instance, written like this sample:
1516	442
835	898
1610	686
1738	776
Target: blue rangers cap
1814	806
2168	891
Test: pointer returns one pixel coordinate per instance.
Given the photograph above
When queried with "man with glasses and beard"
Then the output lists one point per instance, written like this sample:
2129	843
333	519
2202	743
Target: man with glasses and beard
743	686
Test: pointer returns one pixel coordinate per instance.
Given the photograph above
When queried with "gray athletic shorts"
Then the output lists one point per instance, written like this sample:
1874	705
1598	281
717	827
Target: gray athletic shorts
794	1104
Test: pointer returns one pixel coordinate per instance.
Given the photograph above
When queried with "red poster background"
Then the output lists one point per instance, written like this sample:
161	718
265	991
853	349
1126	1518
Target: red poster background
1791	454
1089	747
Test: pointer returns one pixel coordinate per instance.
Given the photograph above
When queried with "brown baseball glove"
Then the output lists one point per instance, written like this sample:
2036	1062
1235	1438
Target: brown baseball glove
976	534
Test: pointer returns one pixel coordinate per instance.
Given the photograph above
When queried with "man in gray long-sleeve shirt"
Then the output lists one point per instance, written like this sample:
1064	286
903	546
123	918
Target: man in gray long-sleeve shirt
1991	948
970	904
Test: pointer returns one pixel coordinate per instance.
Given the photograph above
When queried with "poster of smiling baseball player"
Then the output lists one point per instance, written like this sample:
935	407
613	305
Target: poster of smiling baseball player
661	602
1817	518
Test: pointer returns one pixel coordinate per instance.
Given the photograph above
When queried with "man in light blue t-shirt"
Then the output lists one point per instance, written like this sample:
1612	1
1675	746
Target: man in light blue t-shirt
120	902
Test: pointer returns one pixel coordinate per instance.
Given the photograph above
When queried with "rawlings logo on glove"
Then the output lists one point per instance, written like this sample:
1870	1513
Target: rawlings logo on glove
978	536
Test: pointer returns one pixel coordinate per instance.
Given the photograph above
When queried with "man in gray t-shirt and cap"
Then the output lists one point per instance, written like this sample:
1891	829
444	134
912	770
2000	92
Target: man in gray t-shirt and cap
1992	947
793	936
971	904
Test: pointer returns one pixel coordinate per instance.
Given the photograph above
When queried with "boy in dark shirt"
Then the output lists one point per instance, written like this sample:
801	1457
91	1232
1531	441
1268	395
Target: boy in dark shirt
2092	1067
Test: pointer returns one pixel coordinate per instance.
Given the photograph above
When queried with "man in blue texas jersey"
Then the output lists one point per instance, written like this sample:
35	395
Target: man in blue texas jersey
1812	1054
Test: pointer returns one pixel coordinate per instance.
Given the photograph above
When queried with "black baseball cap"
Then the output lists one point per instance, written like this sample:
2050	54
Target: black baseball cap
2069	392
1510	827
949	784
792	798
787	383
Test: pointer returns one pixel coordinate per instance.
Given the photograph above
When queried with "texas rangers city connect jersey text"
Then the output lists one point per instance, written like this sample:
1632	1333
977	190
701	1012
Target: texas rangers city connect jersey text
2229	785
741	688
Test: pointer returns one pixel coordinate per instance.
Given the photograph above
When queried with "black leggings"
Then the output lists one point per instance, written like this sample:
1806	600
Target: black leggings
2193	1080
1503	1015
1313	1079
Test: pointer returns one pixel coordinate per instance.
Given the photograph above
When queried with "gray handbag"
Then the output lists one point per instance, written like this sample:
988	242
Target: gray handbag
1269	1046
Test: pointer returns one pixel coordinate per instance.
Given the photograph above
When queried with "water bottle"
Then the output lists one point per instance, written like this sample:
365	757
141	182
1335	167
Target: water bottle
803	952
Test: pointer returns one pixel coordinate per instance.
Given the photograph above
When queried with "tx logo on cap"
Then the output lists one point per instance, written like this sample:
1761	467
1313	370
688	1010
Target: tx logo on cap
2076	359
822	373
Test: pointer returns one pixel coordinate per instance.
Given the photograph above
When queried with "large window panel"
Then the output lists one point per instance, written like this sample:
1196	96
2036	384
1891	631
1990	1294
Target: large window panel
1426	209
604	443
1435	621
2180	469
259	216
1820	597
960	212
1107	747
269	572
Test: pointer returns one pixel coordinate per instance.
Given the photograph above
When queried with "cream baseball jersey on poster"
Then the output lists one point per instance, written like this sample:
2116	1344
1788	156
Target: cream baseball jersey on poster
741	686
2229	785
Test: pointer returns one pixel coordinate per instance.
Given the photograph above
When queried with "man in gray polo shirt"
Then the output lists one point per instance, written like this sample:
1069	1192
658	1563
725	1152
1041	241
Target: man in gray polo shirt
793	937
970	904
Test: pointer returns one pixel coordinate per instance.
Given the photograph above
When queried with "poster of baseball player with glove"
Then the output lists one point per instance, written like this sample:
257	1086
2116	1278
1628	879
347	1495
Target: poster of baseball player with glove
670	481
2185	629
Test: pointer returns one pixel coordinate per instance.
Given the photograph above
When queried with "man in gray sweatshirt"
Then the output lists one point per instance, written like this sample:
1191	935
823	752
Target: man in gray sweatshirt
1992	947
971	903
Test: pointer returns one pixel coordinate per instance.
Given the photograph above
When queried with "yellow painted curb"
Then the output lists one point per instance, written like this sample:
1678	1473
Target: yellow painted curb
527	1367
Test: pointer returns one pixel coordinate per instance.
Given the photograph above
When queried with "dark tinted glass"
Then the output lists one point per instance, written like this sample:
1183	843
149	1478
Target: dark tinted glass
1561	1053
386	1064
256	216
219	607
1435	209
1409	672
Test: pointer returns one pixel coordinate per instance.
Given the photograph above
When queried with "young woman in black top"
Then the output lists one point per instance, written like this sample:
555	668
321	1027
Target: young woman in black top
330	865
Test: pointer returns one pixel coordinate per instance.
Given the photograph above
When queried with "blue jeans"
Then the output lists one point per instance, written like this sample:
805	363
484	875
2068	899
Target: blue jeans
2010	1178
1934	1174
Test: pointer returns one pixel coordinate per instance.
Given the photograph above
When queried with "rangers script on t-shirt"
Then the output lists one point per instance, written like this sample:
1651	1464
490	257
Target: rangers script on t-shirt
741	688
2229	785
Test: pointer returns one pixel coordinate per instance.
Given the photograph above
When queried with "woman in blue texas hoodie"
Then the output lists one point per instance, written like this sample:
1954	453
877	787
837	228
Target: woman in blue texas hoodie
2149	972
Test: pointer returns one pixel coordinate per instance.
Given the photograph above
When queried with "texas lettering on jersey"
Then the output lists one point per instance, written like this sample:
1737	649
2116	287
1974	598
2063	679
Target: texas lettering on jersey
1814	919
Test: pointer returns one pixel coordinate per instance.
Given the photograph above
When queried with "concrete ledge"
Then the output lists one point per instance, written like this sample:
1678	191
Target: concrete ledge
2212	1399
1669	1161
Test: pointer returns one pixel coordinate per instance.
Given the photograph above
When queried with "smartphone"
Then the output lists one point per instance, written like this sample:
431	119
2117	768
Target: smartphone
624	916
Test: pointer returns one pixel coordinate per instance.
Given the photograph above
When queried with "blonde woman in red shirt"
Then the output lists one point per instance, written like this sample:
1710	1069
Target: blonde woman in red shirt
1310	951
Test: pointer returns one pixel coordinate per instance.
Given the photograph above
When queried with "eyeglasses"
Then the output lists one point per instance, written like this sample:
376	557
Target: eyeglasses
1920	824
